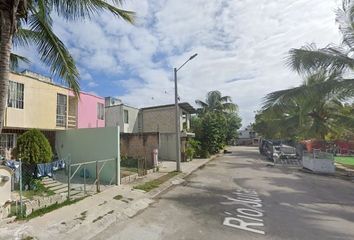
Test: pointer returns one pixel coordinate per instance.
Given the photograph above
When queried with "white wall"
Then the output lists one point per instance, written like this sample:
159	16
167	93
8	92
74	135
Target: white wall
132	126
90	144
115	117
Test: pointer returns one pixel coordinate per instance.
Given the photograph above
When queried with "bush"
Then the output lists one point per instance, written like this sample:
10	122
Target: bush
193	149
190	153
33	147
129	162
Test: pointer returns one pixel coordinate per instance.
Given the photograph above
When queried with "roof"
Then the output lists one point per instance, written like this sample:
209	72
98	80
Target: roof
185	106
120	105
50	82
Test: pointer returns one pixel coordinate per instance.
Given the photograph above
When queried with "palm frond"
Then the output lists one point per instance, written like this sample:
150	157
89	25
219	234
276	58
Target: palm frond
76	9
229	107
309	59
24	37
346	26
15	60
283	97
53	52
201	103
226	99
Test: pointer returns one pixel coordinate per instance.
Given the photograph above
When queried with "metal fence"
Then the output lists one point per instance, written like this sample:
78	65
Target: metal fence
31	182
86	177
318	154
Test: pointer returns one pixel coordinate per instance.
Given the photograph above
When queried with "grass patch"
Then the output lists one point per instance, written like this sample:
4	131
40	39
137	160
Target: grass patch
97	219
38	190
118	197
129	169
42	211
345	160
27	238
100	217
148	186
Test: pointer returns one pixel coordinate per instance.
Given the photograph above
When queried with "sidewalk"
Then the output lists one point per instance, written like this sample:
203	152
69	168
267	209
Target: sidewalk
93	214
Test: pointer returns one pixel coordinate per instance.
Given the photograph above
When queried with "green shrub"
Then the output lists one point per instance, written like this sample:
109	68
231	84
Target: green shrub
190	153
33	147
129	162
193	149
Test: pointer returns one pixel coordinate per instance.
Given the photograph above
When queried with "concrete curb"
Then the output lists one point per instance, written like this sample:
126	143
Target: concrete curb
109	215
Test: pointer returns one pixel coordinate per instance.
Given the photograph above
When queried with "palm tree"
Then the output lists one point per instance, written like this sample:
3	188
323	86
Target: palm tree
332	58
317	104
24	22
216	102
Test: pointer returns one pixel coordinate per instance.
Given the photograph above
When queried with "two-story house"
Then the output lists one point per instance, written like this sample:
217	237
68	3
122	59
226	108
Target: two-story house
247	136
159	119
122	115
35	101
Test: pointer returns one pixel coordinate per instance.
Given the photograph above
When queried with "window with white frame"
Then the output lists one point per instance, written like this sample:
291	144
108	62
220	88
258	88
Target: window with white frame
61	110
126	116
100	111
15	95
7	141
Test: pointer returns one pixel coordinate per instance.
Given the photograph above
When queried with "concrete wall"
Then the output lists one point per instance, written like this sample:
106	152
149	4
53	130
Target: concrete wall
87	111
5	185
163	119
40	104
91	144
167	149
139	145
159	120
115	117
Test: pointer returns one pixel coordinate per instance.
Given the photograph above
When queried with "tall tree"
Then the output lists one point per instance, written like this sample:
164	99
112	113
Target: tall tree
217	122
333	58
24	22
317	104
216	102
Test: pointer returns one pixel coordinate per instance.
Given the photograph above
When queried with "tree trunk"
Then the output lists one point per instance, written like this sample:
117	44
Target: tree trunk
7	21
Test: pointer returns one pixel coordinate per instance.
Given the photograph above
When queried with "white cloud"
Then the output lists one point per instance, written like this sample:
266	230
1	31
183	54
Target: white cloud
241	47
92	84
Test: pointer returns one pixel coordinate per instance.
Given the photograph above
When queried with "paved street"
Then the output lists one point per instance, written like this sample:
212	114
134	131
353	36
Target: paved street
238	196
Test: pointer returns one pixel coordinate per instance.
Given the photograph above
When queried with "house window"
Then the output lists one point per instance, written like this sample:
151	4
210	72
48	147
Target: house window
100	111
15	95
61	110
7	141
126	116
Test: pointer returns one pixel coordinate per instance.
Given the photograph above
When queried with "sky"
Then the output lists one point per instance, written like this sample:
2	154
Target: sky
241	46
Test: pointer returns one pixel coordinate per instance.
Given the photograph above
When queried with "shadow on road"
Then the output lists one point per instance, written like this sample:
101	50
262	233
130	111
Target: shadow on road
297	205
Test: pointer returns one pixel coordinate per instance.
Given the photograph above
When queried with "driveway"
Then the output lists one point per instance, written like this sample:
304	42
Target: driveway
238	196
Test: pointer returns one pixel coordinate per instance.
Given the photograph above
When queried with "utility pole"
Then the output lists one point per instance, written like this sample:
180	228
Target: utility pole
177	120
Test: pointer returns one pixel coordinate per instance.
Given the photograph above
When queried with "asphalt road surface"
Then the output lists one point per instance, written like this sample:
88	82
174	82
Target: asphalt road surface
238	196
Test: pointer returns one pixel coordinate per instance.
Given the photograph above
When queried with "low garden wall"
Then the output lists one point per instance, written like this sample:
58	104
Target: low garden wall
43	202
5	211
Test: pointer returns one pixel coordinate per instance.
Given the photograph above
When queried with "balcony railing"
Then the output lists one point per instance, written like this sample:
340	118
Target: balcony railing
71	121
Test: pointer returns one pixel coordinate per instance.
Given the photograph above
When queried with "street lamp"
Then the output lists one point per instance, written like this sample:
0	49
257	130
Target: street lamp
178	131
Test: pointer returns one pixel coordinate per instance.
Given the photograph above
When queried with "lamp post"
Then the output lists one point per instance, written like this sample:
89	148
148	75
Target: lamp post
178	131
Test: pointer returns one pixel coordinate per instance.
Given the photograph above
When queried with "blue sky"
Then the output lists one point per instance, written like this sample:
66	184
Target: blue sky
241	46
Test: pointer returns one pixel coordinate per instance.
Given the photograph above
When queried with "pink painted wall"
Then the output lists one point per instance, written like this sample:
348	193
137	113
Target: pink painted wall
87	111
